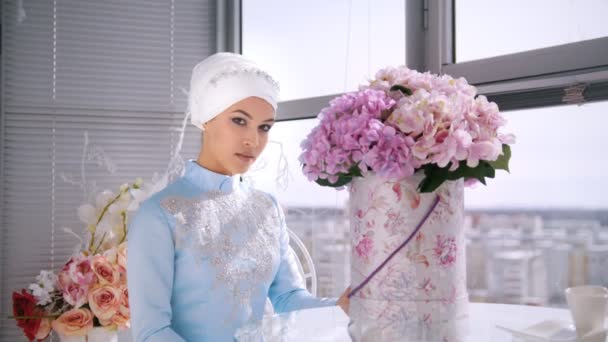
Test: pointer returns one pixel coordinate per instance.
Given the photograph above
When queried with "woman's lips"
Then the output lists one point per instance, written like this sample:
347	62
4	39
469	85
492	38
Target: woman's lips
244	157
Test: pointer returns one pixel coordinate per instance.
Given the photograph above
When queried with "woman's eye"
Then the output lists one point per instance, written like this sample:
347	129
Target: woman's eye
239	121
265	128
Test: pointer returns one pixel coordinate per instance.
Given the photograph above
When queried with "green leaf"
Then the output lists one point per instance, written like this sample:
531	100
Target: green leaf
355	171
402	89
430	183
502	163
435	175
343	178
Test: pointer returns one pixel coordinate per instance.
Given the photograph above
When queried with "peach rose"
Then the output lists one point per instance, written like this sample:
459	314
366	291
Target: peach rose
44	329
110	254
104	301
120	320
106	273
122	317
124	308
121	257
75	322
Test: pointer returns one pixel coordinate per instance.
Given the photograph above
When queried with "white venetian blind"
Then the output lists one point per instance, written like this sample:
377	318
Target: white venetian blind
113	68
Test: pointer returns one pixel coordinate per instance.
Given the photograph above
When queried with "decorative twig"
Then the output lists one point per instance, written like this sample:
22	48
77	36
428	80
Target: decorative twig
103	212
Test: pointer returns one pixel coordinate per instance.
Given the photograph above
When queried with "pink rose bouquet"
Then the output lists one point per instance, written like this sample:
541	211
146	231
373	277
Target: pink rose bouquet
90	290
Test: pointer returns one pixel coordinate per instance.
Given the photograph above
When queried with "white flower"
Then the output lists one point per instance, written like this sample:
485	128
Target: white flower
138	195
111	254
87	214
143	191
47	278
104	198
45	284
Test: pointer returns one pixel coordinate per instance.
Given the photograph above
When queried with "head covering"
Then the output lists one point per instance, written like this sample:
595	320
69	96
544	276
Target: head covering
223	79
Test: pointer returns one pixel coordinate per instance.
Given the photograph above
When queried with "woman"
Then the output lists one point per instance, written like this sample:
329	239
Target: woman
205	252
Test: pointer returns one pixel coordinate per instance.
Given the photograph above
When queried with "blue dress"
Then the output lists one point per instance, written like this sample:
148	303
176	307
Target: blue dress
204	254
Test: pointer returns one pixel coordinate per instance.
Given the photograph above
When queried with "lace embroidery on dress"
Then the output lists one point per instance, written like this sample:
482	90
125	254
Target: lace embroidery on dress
238	232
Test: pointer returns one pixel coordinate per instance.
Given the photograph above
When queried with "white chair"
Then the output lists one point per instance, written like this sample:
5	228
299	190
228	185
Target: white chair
305	266
303	258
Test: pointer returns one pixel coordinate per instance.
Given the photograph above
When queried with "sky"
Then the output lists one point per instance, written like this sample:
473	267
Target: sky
558	160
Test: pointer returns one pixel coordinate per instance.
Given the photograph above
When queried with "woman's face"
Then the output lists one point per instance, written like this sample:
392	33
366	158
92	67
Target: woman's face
233	140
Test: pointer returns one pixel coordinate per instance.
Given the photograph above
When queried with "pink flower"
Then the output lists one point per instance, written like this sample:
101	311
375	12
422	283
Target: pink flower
121	258
120	320
484	150
347	130
123	316
470	182
104	302
74	280
360	213
445	250
44	330
427	286
437	120
106	273
397	190
413	197
75	322
74	294
365	247
124	307
79	270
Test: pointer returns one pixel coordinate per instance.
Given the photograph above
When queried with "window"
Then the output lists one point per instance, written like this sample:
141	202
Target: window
543	227
507	58
558	161
531	229
485	29
317	48
524	227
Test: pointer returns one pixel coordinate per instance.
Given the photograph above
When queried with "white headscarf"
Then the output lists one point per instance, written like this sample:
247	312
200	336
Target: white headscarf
221	80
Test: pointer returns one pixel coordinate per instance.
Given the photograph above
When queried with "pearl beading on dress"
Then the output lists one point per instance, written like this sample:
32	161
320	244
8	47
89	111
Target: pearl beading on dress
232	71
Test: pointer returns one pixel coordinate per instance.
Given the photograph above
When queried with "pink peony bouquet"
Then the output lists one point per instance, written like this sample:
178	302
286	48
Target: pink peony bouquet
90	290
404	122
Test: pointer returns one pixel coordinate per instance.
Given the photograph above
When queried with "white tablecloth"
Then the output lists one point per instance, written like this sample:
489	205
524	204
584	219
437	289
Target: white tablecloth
330	324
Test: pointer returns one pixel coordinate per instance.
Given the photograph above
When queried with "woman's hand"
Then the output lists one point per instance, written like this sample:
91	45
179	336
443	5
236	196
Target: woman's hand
344	301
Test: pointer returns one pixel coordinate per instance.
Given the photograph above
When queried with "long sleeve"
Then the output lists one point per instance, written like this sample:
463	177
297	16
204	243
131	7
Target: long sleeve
150	269
287	292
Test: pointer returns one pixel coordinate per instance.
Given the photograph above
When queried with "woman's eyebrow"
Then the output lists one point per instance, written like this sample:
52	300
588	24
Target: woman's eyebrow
249	115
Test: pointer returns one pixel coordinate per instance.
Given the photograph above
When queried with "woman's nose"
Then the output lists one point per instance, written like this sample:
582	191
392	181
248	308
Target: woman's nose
252	140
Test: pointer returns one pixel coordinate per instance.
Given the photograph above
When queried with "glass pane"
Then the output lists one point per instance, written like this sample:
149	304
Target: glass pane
494	28
543	227
316	214
558	161
540	229
318	47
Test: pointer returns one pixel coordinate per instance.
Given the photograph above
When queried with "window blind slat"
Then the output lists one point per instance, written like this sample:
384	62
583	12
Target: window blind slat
115	69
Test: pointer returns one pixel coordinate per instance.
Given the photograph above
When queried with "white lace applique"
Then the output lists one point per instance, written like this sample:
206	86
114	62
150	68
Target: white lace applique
238	232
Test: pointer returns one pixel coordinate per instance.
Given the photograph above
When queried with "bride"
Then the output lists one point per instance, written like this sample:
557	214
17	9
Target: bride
206	252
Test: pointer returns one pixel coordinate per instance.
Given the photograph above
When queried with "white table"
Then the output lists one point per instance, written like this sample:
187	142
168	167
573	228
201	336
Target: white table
330	324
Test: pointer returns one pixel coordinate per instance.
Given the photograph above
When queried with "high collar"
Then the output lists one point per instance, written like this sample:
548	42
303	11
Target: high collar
209	180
